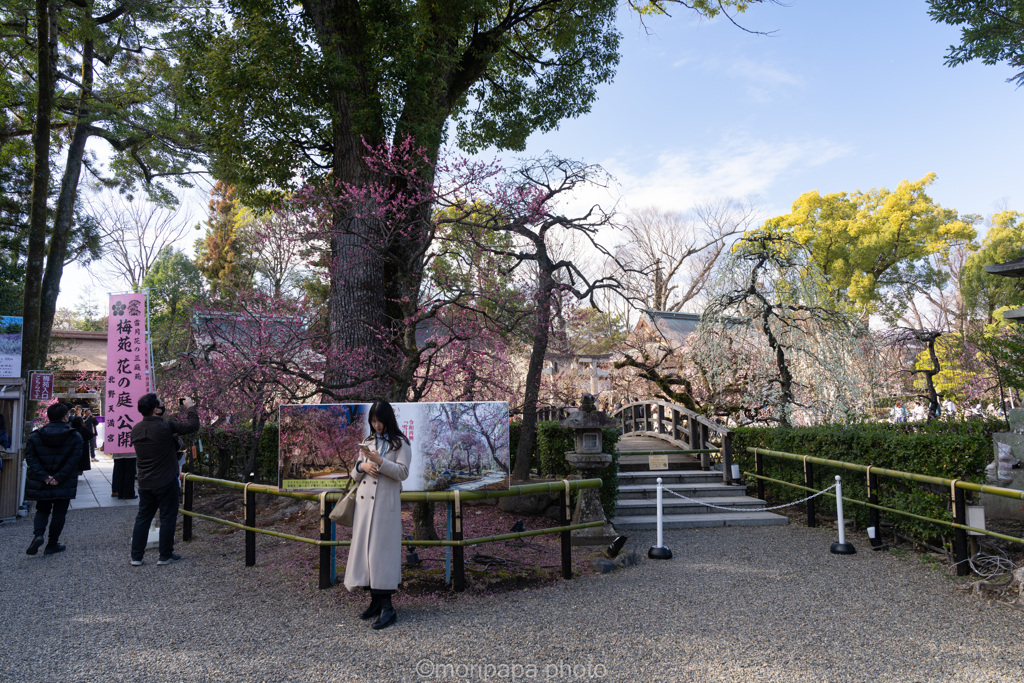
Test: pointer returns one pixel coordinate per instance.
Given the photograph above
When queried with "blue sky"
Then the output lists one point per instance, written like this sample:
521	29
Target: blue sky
842	96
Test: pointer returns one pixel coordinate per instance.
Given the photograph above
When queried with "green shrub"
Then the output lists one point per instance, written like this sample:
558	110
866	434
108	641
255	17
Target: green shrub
554	441
952	450
514	430
266	455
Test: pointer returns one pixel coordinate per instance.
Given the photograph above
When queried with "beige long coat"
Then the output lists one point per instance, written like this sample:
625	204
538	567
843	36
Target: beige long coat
375	556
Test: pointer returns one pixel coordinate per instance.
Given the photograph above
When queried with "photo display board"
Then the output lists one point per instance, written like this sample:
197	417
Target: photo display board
461	446
10	346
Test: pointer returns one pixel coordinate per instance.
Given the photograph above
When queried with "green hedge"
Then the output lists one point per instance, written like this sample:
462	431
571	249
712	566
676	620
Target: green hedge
514	429
953	450
225	450
554	440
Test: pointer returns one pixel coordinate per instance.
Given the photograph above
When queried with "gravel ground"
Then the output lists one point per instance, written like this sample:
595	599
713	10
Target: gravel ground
736	604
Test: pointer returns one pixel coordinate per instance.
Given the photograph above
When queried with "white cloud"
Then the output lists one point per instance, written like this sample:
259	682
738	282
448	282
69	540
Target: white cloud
738	167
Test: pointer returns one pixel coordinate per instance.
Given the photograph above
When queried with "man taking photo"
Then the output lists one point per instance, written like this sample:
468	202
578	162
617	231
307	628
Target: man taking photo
156	449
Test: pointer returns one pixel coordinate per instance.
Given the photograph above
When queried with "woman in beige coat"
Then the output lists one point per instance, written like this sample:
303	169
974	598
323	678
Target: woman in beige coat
375	556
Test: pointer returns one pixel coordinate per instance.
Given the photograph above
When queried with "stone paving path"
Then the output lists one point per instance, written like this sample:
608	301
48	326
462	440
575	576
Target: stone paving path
94	487
735	604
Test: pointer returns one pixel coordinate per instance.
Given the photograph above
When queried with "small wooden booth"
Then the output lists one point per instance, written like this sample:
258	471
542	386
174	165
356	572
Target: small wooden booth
12	407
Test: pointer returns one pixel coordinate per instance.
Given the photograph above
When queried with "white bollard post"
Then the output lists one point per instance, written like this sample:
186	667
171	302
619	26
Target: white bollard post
842	547
659	552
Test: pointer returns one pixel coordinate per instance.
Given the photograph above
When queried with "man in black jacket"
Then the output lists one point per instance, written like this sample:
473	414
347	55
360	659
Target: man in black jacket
156	448
52	454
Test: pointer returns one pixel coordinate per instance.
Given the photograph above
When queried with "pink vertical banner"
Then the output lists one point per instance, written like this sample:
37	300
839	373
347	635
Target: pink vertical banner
127	369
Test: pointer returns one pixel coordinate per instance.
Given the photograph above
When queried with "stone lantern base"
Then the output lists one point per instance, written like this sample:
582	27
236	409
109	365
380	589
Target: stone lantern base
588	501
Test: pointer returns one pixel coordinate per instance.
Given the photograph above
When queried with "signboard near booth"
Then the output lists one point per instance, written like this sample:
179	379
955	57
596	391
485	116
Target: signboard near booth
40	386
461	446
10	346
127	369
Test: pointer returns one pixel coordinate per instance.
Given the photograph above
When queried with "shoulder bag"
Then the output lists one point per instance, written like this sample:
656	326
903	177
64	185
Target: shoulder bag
346	507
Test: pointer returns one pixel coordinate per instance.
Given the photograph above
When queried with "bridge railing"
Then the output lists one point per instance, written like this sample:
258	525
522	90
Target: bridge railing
680	427
552	413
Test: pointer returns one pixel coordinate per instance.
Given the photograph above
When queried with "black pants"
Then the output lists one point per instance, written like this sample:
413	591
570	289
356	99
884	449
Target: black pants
59	508
164	499
123	479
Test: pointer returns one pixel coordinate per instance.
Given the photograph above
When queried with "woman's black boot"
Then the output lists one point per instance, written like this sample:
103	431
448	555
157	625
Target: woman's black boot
374	608
387	613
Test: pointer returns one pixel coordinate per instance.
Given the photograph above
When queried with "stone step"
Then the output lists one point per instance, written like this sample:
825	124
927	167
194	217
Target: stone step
715	519
678	506
668	477
700	490
641	463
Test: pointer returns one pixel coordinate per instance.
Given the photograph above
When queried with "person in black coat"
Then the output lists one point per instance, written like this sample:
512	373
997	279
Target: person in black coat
156	448
52	453
77	423
91	424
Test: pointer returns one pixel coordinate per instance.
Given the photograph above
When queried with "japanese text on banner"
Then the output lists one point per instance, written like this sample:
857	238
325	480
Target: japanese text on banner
127	369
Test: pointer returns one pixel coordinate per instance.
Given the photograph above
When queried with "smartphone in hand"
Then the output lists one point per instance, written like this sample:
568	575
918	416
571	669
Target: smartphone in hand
369	453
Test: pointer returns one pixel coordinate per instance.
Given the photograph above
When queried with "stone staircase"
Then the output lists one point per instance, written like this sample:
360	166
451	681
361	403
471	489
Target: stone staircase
637	504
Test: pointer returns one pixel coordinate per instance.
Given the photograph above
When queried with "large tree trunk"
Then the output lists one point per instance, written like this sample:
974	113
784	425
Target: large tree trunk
534	372
65	208
46	58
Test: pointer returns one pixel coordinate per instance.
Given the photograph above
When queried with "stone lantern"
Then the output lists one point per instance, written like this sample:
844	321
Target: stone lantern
588	460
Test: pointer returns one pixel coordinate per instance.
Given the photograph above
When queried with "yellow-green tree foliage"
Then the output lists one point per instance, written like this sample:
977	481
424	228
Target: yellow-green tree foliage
1004	242
222	255
873	246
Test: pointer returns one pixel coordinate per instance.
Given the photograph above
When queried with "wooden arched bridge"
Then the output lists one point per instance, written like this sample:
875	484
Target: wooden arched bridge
692	455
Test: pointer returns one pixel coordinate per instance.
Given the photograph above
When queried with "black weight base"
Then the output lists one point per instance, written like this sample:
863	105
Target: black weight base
659	553
843	549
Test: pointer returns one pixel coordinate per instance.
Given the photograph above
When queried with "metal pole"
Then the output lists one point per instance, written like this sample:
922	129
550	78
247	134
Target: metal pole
660	516
659	552
842	547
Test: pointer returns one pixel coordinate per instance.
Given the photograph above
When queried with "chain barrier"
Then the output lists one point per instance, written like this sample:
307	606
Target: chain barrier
734	509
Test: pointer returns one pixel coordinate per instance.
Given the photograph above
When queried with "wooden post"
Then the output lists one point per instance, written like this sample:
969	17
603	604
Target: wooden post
566	536
759	468
809	482
961	554
250	520
705	458
694	433
661	419
727	458
186	521
458	551
675	425
874	516
326	551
